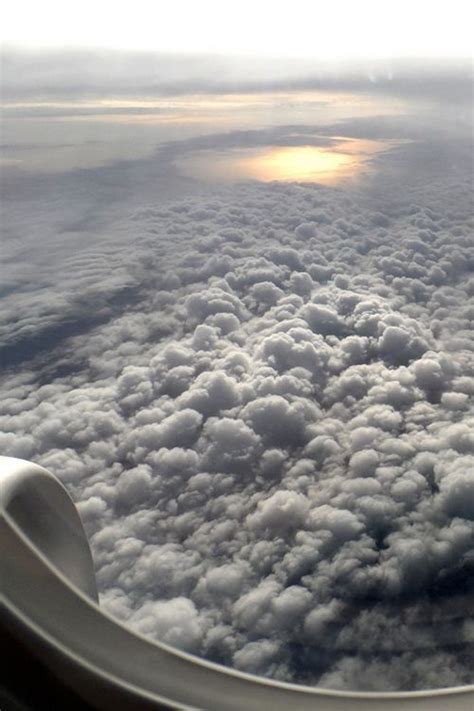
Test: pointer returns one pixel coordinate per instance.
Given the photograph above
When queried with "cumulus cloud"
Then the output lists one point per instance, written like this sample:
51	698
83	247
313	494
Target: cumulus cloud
271	440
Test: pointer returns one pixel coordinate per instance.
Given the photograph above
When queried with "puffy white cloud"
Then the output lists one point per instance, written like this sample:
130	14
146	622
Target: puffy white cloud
175	622
341	523
364	462
230	444
271	440
256	657
282	511
277	421
456	486
318	620
176	430
134	485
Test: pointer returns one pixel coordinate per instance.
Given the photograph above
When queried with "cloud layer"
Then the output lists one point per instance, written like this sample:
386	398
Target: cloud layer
268	428
49	75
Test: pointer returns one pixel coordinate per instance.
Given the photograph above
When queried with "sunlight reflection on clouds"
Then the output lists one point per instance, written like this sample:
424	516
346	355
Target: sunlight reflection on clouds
326	165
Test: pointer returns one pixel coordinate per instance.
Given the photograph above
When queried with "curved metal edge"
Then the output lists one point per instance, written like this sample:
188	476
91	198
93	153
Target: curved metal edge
41	507
115	668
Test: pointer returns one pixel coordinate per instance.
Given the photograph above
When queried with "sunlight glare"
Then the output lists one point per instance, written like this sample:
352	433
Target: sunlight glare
348	159
298	163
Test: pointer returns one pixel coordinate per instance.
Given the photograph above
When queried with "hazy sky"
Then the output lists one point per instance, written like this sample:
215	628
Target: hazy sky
302	28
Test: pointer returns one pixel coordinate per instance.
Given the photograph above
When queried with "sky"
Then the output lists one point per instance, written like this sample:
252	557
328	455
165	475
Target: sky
340	29
236	320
